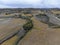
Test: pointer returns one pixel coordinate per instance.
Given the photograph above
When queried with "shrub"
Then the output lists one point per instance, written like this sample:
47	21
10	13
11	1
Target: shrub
28	26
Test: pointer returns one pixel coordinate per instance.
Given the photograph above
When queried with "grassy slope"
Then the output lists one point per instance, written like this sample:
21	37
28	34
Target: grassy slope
35	35
15	21
41	34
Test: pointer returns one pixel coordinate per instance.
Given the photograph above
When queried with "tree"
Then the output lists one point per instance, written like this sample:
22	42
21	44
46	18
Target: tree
28	26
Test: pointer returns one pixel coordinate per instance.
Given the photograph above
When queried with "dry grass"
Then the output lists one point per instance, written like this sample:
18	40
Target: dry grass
38	25
56	12
12	26
36	35
41	34
11	41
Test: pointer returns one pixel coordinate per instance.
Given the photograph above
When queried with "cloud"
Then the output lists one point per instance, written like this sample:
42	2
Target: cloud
52	3
30	3
5	6
20	1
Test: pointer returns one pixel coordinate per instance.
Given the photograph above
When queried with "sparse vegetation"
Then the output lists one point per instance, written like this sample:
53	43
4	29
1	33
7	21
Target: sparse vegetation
27	12
6	13
43	18
28	26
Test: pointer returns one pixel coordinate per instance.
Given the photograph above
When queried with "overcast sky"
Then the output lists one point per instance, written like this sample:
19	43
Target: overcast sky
29	3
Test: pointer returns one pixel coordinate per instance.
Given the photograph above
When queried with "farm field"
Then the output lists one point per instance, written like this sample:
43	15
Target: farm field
40	33
10	26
